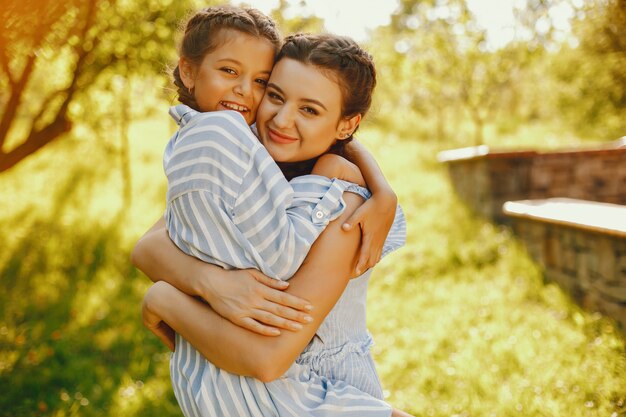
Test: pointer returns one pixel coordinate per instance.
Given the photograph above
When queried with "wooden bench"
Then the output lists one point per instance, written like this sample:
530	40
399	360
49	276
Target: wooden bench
581	245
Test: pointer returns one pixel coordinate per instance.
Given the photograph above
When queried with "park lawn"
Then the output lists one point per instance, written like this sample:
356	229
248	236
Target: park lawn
464	325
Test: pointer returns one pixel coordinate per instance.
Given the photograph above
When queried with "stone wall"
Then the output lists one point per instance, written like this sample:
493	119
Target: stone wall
486	179
584	257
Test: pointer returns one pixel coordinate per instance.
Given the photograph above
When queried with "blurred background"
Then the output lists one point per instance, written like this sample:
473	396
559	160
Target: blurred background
464	323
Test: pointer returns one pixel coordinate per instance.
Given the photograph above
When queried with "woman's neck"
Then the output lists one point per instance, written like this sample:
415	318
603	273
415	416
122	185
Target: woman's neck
297	169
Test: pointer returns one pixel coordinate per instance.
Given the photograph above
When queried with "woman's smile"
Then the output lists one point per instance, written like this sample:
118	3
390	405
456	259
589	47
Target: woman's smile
281	138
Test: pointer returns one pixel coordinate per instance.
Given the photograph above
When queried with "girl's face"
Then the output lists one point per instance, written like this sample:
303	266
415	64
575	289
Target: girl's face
300	115
233	76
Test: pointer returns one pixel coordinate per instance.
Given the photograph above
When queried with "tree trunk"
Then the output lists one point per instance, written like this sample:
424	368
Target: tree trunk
35	141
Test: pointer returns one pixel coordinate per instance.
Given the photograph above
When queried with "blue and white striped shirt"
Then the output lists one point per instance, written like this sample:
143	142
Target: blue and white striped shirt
229	204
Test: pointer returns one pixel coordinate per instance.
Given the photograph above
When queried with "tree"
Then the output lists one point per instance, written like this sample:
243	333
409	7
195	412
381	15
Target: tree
54	55
297	23
450	64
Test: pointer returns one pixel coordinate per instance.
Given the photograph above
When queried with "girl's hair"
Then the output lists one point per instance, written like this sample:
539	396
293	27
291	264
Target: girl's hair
354	72
201	32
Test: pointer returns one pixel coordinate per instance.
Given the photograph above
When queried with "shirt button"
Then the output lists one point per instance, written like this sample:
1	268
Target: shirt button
319	214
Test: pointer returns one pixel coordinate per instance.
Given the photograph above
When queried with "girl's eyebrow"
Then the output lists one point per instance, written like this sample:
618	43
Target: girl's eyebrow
234	61
306	100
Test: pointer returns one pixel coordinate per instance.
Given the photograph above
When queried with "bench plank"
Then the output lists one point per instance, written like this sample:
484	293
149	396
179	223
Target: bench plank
581	214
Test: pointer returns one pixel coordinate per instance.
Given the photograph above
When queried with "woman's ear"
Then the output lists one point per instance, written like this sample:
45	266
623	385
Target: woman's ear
347	127
187	73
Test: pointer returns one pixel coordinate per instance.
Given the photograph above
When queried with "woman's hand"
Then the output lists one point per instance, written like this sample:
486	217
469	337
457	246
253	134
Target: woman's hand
247	298
375	217
256	302
153	321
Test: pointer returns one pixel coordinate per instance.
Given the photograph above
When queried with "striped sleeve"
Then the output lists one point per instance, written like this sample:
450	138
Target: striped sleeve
198	223
282	220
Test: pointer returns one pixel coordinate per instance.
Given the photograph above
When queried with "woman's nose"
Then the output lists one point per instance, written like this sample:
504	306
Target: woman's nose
283	118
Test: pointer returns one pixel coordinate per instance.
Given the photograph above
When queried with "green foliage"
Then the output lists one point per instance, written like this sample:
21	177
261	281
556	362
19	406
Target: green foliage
91	47
71	340
290	22
435	60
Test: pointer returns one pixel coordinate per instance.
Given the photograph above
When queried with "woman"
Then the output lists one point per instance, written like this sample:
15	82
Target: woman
307	93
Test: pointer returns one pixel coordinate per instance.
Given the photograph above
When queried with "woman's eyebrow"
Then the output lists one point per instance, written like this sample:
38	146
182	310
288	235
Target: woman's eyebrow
306	100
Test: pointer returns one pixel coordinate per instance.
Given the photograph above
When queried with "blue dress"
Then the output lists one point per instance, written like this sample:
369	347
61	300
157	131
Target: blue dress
225	197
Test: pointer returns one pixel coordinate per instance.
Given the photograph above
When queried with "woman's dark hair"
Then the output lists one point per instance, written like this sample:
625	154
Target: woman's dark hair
201	37
353	69
342	58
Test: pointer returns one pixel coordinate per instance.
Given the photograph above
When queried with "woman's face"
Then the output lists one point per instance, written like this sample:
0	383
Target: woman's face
299	117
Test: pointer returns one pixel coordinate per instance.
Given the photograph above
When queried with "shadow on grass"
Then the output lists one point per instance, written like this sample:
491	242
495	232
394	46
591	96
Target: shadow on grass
71	339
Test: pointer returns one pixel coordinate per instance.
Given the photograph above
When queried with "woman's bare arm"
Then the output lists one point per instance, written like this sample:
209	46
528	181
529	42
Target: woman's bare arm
321	279
377	214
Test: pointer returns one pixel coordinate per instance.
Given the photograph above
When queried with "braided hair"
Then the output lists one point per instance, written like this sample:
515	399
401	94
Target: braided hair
200	37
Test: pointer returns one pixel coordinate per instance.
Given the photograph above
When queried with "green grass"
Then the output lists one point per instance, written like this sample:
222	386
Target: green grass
463	323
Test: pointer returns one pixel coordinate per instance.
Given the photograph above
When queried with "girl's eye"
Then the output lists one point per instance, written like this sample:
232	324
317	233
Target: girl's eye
229	70
261	81
310	110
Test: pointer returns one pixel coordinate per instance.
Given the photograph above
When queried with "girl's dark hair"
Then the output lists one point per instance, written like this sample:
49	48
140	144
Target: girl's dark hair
200	37
340	57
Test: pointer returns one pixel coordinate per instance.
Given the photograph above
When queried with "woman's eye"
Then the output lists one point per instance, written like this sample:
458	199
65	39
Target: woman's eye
310	110
262	82
274	96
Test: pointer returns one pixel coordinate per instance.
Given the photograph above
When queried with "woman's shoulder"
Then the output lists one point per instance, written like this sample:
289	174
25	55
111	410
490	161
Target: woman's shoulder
336	166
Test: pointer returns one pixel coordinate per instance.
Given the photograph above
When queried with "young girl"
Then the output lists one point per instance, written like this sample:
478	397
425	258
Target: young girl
227	205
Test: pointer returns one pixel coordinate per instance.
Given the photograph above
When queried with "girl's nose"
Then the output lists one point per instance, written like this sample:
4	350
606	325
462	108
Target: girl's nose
243	88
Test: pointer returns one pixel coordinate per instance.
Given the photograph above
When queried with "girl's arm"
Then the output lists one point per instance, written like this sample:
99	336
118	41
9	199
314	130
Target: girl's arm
321	279
377	214
246	297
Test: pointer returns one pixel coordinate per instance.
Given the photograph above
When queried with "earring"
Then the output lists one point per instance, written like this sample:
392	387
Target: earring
190	90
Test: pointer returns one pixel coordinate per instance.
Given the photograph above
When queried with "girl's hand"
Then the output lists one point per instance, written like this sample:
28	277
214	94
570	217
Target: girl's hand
153	321
375	217
257	303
